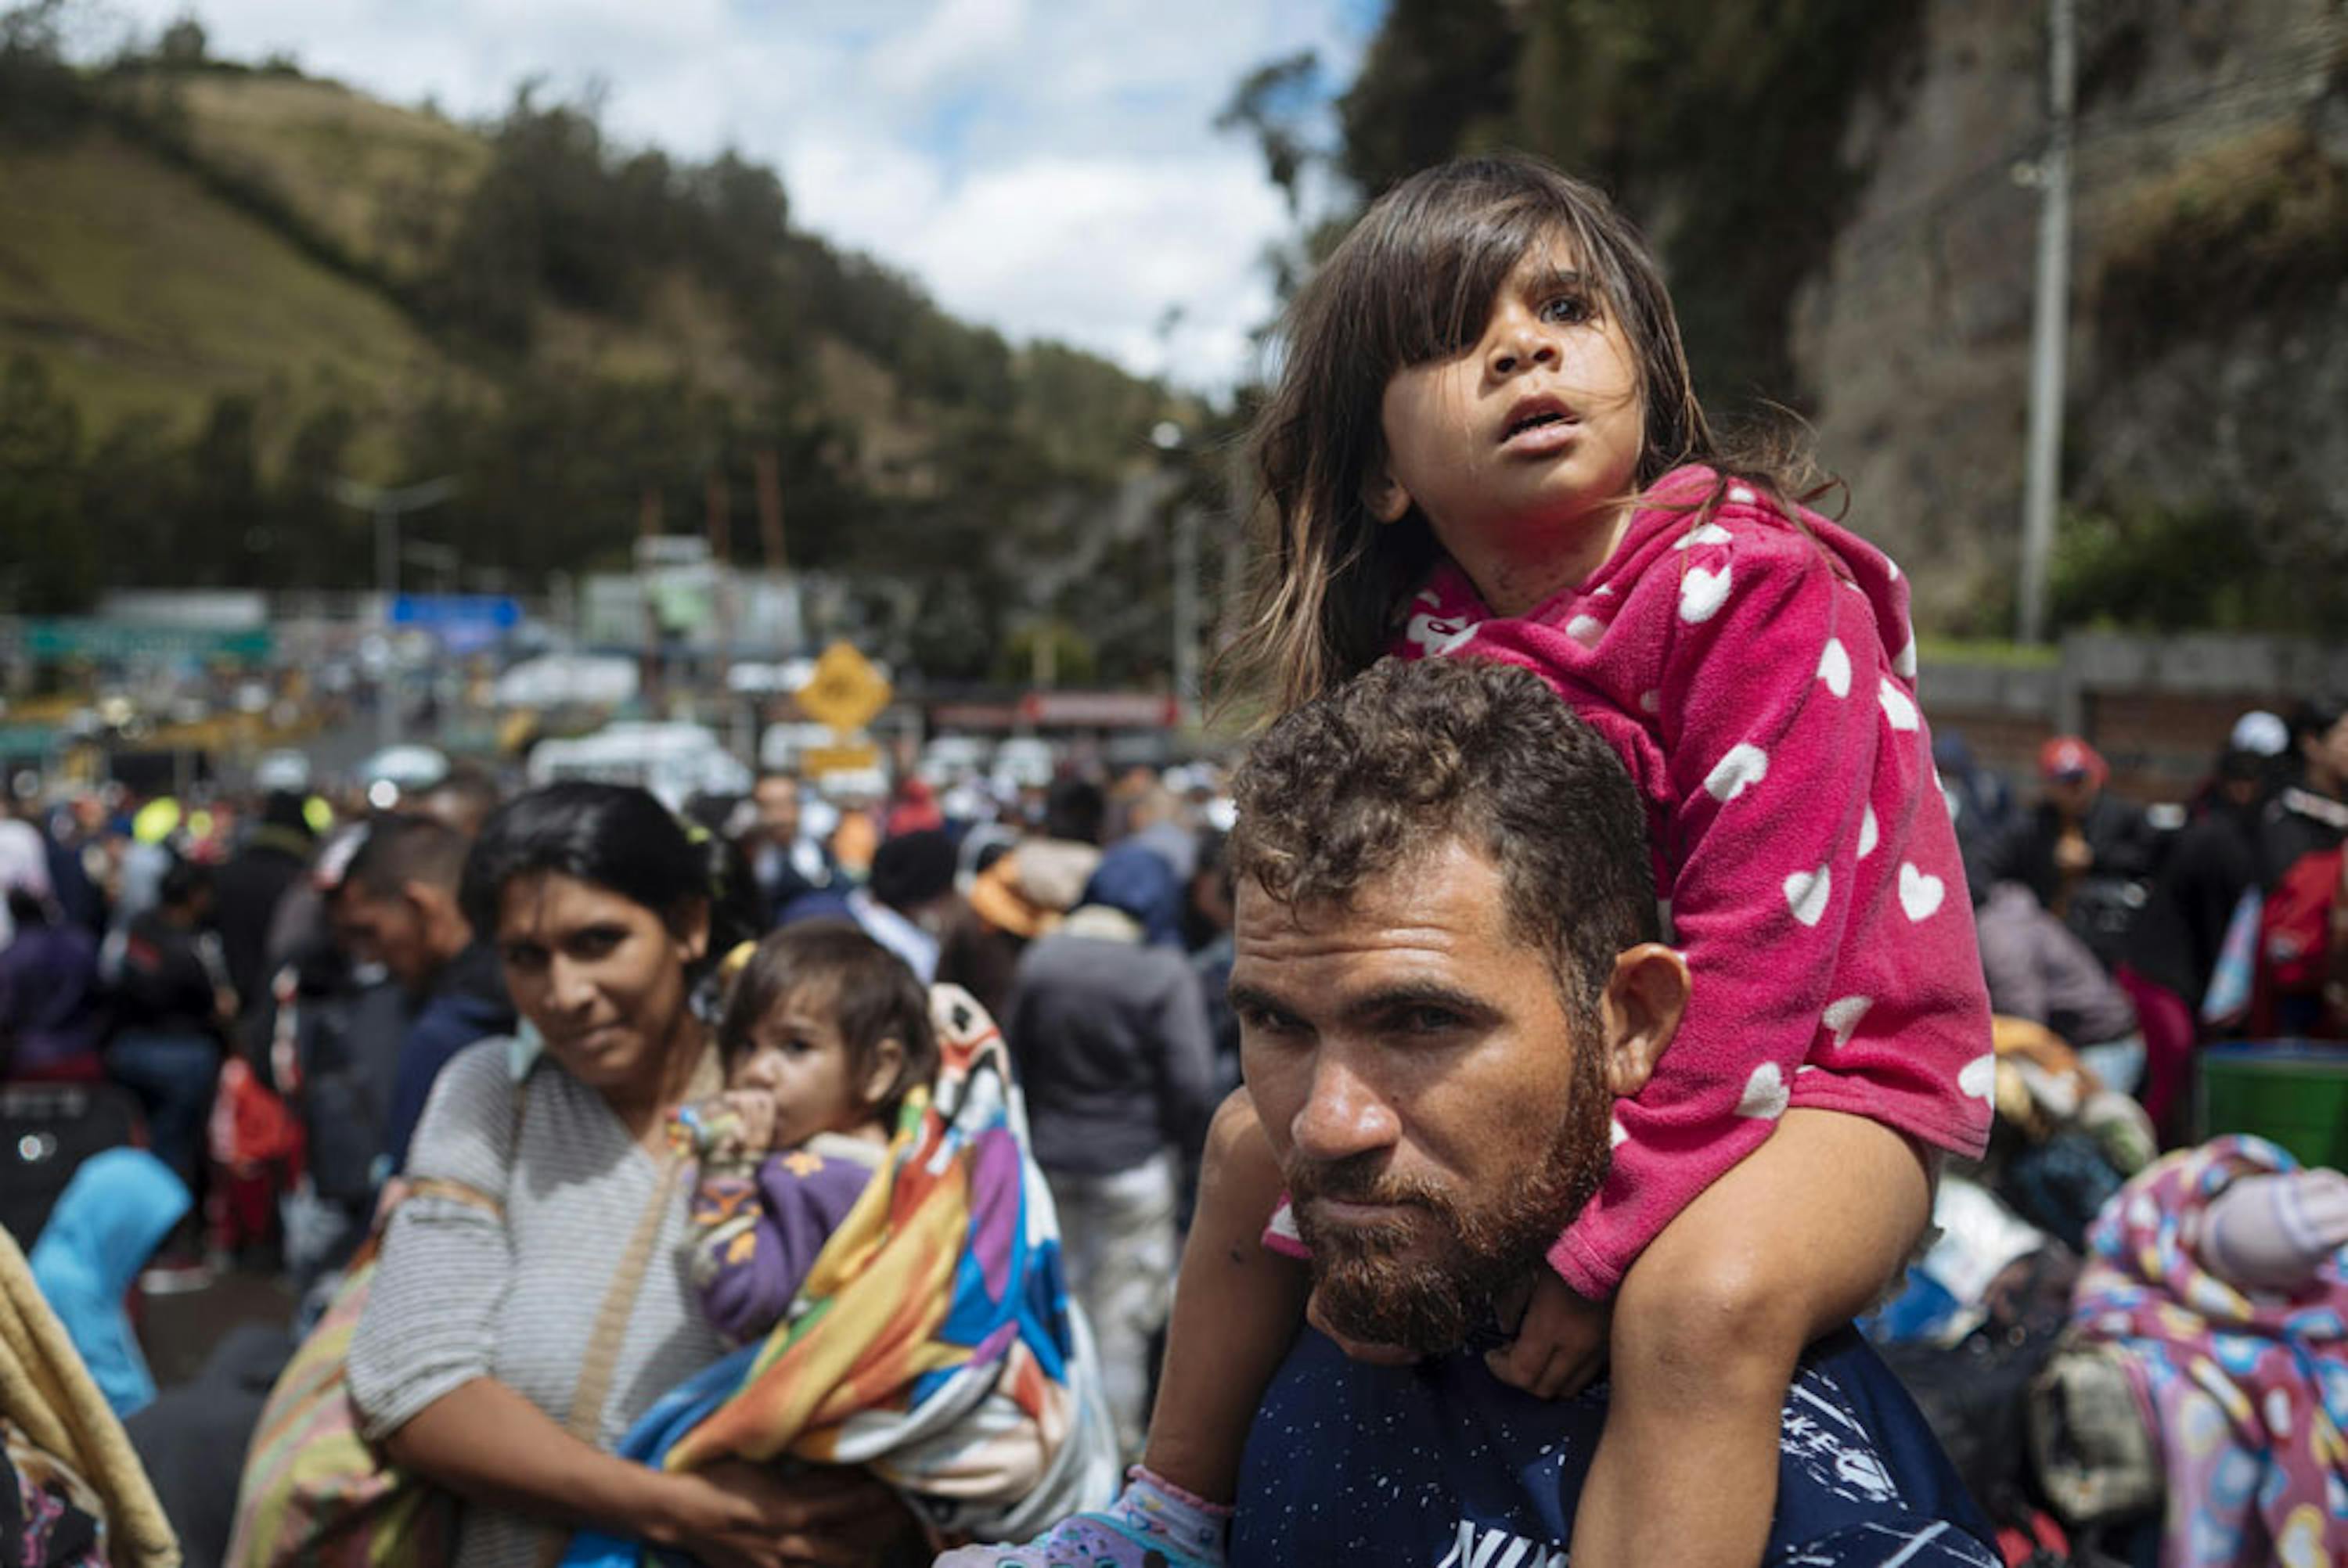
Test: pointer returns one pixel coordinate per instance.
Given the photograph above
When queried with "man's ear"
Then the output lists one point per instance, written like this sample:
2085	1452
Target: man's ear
1383	494
1646	998
431	904
888	1065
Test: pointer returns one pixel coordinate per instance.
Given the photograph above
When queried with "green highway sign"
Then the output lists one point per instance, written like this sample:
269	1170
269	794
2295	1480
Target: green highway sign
92	636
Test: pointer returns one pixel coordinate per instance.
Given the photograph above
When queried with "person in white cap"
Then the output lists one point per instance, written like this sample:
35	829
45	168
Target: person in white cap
2260	733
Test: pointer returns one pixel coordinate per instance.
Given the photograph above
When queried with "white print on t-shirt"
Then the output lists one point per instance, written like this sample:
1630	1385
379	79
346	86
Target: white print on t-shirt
1483	1546
1826	1441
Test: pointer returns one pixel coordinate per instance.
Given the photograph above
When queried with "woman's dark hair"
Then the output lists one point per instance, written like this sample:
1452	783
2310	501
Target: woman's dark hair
871	994
737	913
615	836
1414	283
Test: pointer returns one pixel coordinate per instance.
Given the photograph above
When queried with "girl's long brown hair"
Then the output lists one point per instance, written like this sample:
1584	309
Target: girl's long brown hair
1413	282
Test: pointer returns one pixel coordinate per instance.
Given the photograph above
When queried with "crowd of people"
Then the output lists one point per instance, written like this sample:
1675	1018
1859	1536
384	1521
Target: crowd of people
348	974
1556	1028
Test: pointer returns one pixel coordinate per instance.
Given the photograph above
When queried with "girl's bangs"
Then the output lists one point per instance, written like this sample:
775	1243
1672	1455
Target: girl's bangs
1457	254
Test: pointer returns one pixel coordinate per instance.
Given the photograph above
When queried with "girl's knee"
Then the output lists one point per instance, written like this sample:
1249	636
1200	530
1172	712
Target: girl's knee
1729	1317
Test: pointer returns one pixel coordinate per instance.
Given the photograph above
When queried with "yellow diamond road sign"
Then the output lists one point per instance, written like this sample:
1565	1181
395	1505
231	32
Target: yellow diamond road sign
824	761
845	692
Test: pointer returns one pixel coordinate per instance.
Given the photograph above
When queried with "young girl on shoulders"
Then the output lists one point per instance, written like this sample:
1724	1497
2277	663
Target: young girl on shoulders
1484	444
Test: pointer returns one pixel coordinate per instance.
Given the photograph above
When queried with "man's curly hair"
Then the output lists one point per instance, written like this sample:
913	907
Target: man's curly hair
1361	782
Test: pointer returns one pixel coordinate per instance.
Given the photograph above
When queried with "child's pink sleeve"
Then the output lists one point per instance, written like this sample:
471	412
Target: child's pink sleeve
1817	894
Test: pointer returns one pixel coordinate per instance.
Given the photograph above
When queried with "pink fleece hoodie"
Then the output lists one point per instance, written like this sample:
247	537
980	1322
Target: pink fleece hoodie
1758	676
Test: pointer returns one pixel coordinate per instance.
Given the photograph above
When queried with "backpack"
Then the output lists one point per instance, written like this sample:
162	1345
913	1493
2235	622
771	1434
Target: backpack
2294	944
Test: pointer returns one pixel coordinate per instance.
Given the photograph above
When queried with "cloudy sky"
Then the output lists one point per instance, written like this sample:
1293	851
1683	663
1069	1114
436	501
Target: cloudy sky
1045	166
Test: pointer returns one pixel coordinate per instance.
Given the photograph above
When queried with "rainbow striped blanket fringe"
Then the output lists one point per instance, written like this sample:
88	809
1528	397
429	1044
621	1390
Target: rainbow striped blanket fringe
933	1341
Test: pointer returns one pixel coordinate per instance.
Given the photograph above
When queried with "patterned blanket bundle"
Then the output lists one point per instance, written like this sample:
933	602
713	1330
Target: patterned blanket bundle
2246	1391
933	1340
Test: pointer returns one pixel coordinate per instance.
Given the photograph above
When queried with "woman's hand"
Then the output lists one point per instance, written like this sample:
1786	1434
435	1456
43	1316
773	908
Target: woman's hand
736	1514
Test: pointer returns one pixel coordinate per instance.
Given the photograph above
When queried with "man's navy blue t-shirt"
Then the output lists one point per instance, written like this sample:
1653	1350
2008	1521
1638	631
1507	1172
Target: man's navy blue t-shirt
1443	1465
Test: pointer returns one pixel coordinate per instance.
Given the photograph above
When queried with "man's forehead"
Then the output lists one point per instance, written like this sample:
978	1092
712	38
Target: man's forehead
1442	900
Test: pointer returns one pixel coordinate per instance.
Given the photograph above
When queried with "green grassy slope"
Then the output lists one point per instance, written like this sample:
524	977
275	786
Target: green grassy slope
381	183
145	293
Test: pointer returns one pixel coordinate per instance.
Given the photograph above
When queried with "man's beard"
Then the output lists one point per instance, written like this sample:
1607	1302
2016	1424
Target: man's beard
1428	1305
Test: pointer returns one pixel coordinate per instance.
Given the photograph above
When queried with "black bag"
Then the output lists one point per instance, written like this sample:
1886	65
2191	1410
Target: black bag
47	1131
2060	1186
1976	1393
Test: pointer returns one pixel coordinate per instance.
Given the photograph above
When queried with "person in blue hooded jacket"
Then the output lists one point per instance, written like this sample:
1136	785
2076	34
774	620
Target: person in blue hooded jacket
1109	1033
113	1214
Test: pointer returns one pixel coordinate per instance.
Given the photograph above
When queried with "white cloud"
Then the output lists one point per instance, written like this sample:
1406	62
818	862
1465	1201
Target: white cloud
1046	168
957	39
1099	249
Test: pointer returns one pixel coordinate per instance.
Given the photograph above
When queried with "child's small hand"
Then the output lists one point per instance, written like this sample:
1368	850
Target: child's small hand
754	1110
1561	1342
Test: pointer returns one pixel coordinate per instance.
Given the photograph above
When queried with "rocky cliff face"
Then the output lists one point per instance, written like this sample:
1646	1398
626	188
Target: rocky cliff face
2208	349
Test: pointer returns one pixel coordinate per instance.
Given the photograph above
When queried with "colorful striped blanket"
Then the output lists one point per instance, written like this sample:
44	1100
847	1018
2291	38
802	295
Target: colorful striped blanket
933	1340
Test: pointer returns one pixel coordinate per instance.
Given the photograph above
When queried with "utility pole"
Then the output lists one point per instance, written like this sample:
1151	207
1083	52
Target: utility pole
769	471
1173	442
1185	612
718	502
388	506
2049	327
652	660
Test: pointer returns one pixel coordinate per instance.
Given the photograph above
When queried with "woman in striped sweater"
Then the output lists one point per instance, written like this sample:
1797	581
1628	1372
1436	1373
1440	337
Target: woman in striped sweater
533	1297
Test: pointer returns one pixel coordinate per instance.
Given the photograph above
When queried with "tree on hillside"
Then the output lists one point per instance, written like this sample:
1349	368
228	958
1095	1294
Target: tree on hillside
50	562
315	540
224	505
41	95
1436	80
1271	104
184	43
133	488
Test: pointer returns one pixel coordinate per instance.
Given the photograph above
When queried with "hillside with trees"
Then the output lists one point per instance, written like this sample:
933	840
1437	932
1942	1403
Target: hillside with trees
223	286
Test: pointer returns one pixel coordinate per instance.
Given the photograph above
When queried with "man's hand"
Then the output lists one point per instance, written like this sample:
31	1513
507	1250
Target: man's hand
1561	1343
1364	1350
